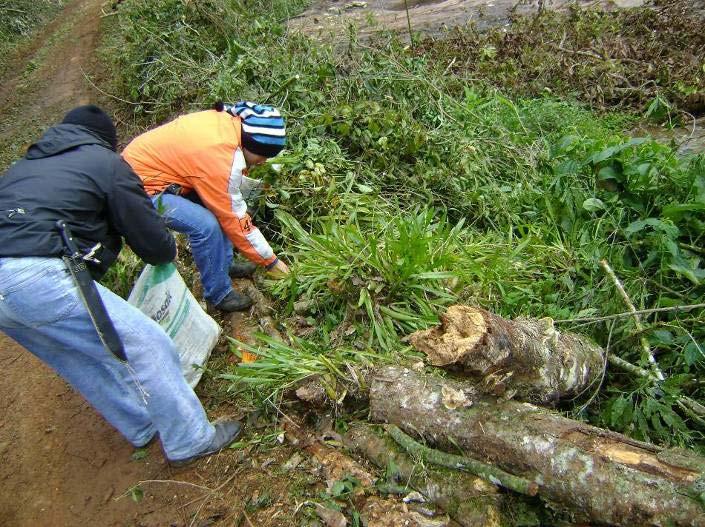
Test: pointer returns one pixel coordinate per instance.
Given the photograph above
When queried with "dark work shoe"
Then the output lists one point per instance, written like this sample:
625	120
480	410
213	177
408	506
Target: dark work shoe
225	433
234	301
242	269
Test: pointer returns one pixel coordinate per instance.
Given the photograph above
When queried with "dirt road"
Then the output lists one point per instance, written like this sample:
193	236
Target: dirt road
330	19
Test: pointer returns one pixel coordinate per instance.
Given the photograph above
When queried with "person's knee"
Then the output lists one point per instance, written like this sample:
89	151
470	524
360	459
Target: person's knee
208	228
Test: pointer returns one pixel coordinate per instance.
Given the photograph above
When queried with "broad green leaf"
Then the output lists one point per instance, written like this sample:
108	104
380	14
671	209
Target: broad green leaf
658	225
619	407
694	275
609	173
677	211
613	150
663	337
593	204
693	353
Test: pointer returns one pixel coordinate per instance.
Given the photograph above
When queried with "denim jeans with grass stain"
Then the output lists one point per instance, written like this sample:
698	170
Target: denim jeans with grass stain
212	250
41	310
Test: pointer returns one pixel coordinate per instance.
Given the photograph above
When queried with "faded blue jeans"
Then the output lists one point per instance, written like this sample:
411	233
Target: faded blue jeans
212	250
41	310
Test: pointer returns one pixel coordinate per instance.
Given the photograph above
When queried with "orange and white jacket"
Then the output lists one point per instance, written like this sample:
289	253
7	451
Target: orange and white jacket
201	152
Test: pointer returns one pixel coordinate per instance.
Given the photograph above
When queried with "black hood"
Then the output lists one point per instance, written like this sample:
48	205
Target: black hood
63	137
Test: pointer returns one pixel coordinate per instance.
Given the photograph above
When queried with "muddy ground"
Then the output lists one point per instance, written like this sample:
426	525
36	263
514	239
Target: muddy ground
330	19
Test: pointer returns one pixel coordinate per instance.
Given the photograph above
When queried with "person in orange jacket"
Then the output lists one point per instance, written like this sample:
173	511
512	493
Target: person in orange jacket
193	167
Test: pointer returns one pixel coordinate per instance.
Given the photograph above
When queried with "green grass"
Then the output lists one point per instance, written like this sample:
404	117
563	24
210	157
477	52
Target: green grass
406	188
18	19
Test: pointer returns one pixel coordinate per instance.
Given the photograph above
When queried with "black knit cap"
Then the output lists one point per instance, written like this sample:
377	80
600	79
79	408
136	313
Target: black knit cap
95	120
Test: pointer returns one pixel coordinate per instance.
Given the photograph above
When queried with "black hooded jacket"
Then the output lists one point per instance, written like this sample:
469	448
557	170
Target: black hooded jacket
72	174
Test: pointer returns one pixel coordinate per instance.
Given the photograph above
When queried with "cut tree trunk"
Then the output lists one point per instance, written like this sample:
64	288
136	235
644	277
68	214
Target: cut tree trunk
598	475
469	500
528	358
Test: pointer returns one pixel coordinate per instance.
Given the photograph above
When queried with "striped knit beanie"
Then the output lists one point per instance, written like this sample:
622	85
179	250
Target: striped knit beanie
263	127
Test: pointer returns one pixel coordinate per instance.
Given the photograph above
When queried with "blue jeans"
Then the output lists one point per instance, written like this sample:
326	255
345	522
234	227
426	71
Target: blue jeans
211	249
41	310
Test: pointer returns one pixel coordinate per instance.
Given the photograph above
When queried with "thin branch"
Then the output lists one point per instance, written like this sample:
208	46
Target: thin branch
686	307
176	482
631	368
637	321
488	472
85	76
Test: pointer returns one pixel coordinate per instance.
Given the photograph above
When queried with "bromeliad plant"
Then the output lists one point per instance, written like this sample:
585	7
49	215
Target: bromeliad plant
393	273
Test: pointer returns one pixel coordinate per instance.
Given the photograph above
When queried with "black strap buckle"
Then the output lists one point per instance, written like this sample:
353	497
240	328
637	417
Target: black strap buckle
174	189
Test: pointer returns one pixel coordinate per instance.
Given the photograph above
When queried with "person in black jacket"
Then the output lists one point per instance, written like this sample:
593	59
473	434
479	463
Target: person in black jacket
73	174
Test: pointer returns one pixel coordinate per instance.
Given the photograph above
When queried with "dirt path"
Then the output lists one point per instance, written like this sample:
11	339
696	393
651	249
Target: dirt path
60	463
46	77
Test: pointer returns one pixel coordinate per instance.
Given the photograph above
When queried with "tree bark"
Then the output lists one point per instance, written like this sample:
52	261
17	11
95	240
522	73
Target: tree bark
600	476
469	500
526	358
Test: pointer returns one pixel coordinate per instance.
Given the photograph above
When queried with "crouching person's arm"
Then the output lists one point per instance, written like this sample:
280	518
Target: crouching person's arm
133	215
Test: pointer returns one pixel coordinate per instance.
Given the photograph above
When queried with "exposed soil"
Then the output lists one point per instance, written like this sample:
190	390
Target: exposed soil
46	78
330	19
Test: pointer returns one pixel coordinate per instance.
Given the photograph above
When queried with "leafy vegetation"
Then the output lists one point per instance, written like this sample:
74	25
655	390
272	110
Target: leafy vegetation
407	187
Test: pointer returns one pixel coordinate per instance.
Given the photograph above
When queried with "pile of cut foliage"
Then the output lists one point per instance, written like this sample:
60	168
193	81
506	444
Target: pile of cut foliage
639	59
407	188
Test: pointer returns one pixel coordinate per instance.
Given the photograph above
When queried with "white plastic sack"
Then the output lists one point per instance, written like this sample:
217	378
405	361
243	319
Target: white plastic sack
161	294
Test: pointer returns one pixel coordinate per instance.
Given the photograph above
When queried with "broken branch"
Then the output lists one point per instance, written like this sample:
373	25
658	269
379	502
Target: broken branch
488	472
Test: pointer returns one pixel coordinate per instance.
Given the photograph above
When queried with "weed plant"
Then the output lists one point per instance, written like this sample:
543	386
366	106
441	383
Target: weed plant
406	188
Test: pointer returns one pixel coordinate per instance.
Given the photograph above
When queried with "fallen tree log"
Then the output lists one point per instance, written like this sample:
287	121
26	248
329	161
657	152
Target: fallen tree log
528	358
469	500
598	475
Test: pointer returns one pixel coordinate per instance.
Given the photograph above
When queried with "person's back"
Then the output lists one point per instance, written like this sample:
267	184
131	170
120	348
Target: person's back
184	149
73	174
65	175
